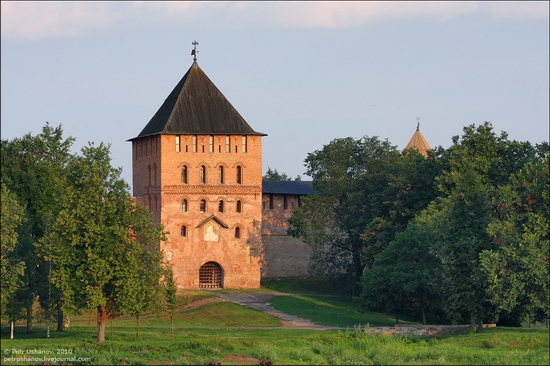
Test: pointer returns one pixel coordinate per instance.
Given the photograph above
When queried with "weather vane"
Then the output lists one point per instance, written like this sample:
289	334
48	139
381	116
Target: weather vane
194	51
417	123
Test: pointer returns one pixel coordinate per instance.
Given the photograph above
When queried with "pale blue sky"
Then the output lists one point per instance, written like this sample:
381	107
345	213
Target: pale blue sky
302	72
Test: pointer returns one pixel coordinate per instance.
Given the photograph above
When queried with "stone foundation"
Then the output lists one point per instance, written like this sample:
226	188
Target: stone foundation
417	330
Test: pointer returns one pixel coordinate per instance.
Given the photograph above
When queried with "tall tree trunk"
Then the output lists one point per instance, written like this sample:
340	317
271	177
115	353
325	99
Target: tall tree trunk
12	328
356	275
101	320
29	320
424	316
59	321
137	318
172	322
473	323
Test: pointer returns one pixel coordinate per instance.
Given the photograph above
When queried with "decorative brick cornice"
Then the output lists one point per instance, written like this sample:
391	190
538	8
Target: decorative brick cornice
222	189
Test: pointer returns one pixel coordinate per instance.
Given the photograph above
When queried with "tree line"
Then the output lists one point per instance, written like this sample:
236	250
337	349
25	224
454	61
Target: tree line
459	236
73	238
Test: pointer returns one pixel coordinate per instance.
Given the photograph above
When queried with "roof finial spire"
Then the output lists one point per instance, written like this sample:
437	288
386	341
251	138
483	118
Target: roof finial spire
194	51
417	123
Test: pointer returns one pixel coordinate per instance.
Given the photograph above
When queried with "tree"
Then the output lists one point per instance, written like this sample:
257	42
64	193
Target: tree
404	277
12	267
139	286
33	167
12	219
275	175
460	218
97	236
333	221
402	190
460	223
478	162
517	265
483	239
170	298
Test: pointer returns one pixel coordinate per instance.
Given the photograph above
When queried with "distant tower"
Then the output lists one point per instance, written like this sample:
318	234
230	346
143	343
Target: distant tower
197	165
419	142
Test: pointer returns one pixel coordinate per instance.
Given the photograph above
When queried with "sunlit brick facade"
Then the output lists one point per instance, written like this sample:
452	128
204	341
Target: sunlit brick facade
197	165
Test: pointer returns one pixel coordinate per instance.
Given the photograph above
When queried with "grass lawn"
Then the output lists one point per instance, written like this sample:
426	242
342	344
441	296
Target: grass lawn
280	346
332	311
315	299
218	314
214	334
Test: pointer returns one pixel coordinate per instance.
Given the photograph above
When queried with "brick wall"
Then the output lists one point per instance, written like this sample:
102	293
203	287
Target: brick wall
205	240
283	255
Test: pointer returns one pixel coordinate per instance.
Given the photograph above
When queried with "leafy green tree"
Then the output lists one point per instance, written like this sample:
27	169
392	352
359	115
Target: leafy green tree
461	217
275	175
12	219
405	276
333	221
517	265
97	236
30	279
33	168
12	267
170	297
478	162
461	221
396	195
139	286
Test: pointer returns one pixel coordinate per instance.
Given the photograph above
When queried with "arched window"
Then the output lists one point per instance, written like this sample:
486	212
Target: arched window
203	174
184	207
184	231
245	143
203	206
239	175
220	174
220	206
155	174
239	207
184	175
238	232
150	179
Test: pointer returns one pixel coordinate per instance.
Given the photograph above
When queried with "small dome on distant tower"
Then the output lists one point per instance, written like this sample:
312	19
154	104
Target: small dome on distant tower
419	142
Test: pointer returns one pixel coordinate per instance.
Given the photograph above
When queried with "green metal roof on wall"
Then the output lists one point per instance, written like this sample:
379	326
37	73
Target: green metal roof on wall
287	187
196	106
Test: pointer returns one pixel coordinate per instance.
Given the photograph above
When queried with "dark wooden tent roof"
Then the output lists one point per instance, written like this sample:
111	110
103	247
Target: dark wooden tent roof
196	106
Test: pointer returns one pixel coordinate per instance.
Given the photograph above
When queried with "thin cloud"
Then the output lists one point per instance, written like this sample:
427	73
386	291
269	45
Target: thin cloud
521	10
37	20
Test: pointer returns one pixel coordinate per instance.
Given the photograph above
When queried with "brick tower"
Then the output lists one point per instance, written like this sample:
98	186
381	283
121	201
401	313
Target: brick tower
197	165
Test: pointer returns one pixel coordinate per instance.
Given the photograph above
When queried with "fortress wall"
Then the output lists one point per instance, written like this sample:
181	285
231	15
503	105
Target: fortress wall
282	255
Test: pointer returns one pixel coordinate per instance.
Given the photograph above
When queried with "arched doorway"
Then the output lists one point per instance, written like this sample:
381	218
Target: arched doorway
210	275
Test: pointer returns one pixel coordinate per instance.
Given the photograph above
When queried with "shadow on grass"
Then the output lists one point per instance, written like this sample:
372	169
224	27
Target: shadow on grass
331	311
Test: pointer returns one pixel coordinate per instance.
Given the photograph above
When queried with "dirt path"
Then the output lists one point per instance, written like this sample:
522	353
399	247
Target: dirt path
258	300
